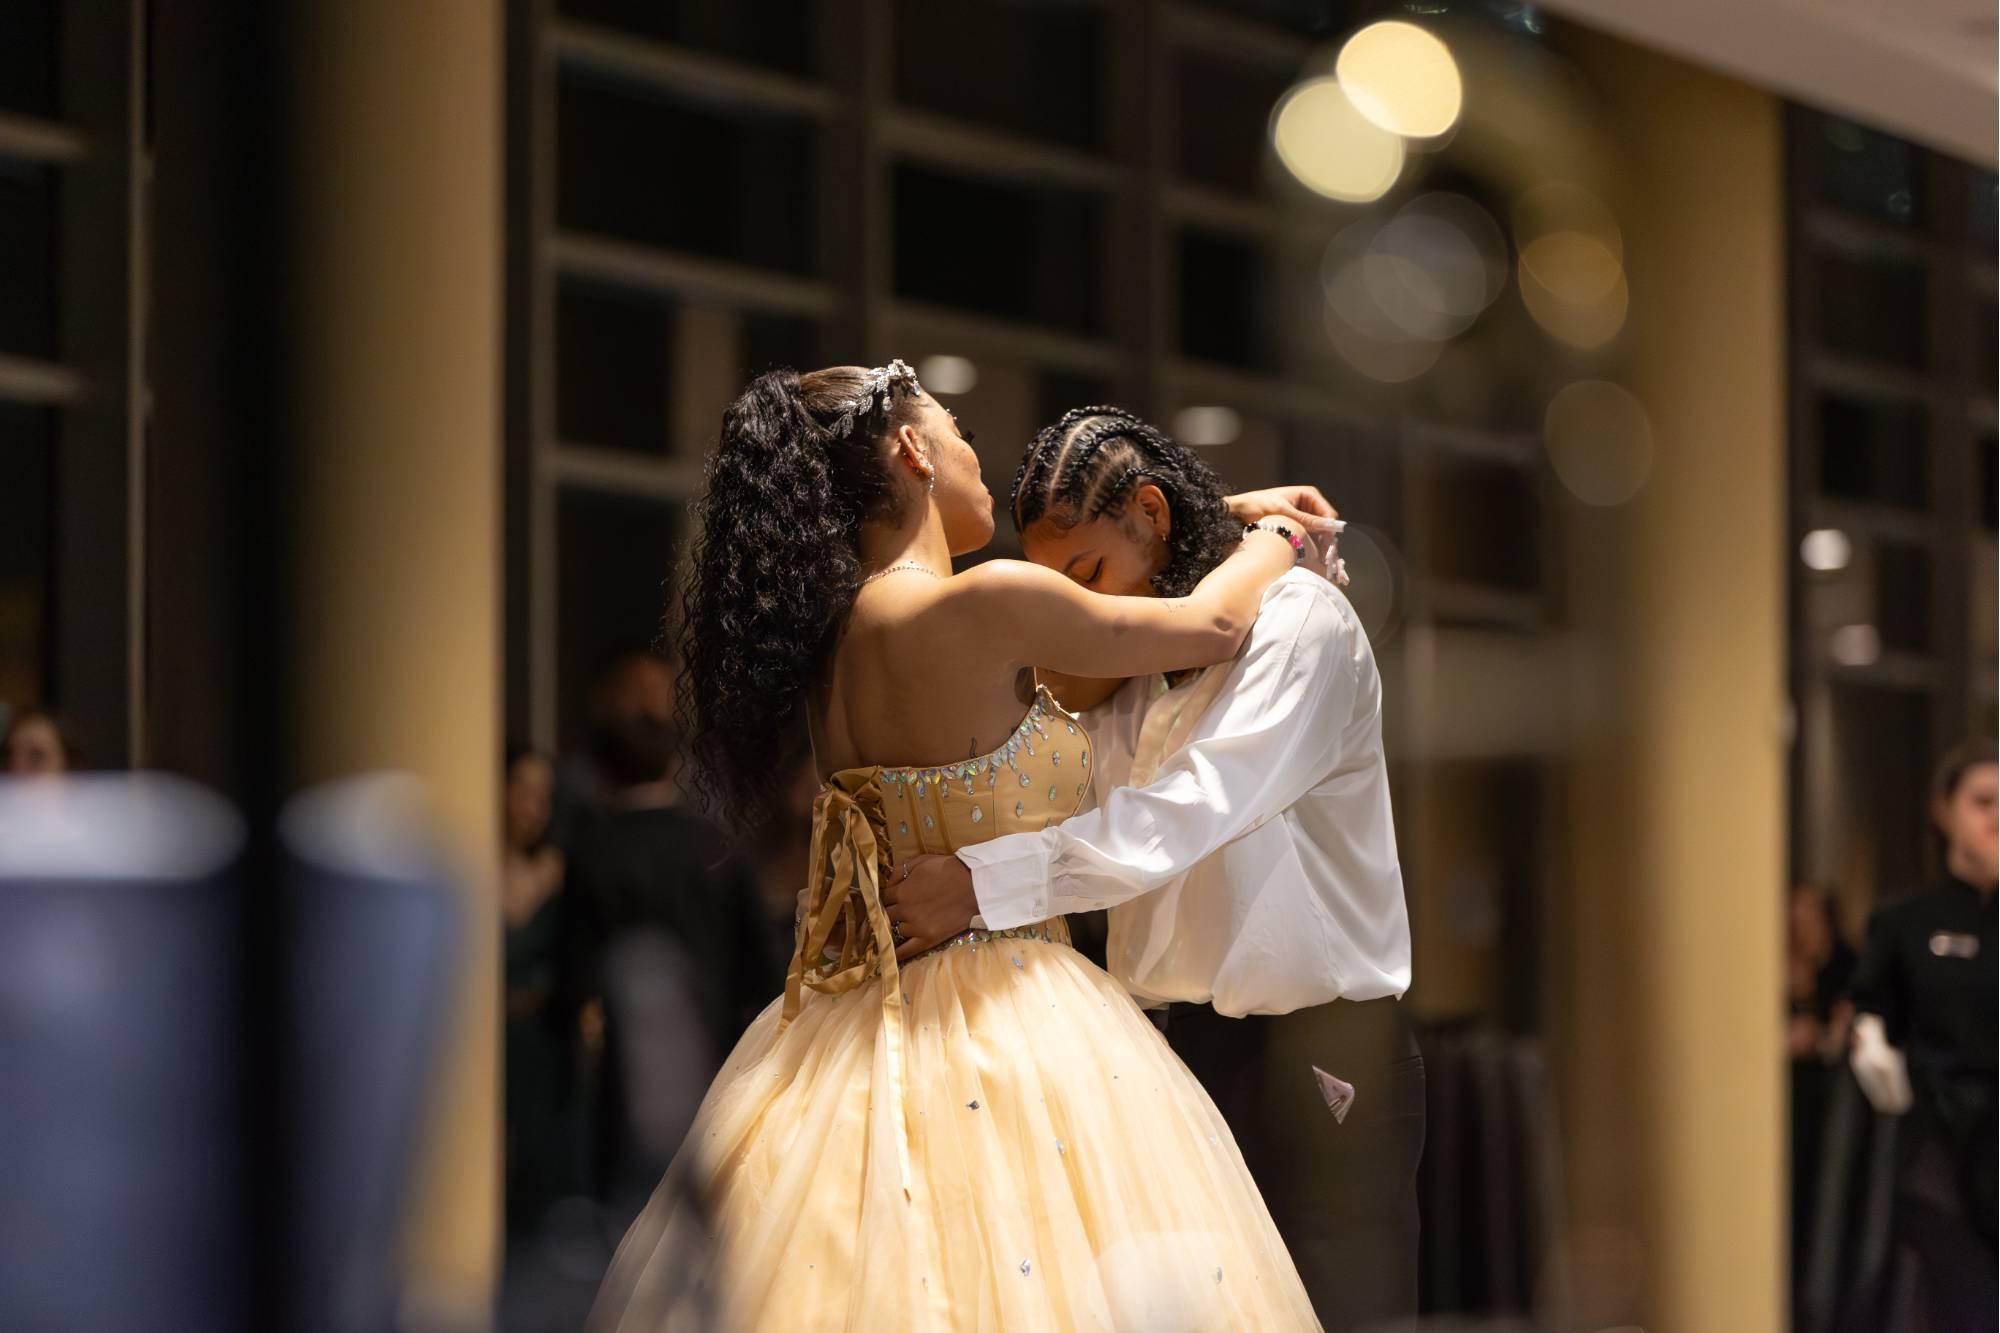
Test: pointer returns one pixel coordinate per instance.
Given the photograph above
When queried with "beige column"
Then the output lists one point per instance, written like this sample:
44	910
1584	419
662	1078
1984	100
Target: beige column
397	154
1668	949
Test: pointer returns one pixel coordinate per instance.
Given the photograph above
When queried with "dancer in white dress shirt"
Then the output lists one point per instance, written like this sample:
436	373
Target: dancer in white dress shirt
1244	845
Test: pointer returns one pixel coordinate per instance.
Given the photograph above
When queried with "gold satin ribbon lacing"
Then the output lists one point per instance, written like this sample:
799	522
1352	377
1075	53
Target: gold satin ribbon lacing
846	890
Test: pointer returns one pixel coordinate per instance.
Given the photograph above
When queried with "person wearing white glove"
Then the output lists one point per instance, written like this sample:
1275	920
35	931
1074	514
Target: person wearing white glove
1925	1000
1880	1069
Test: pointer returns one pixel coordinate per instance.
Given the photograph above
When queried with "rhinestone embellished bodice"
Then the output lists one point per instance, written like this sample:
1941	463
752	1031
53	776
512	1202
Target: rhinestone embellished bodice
1039	776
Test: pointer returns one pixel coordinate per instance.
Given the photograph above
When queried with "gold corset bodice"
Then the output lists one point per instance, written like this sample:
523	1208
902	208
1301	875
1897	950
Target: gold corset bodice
868	820
1038	777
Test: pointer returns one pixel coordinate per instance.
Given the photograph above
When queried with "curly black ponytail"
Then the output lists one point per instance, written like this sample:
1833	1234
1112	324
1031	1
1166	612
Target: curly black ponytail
775	570
1091	461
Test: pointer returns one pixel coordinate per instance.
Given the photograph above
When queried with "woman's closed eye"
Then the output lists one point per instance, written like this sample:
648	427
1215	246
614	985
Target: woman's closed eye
1095	570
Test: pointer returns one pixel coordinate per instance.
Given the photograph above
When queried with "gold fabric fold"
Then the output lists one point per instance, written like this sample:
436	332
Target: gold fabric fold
849	849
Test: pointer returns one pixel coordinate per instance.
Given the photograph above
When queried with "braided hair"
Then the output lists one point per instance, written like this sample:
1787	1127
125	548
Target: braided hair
1091	461
775	568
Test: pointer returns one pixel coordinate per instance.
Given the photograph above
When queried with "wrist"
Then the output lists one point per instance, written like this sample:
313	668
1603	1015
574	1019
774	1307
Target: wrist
1294	540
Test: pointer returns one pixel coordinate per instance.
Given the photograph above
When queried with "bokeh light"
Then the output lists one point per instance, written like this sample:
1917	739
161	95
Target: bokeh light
1555	206
1600	441
1856	645
1826	550
1402	78
1331	148
1375	571
1572	266
1366	337
1398	289
1436	266
948	374
1583	325
1207	427
1575	266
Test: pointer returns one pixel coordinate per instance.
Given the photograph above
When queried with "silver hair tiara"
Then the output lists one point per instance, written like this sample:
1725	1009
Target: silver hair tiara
878	389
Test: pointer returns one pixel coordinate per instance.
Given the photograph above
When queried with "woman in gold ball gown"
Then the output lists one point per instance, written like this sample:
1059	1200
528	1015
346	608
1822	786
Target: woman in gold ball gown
981	1133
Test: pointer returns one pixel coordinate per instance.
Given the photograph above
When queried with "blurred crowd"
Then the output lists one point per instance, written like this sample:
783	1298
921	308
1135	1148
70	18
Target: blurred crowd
640	940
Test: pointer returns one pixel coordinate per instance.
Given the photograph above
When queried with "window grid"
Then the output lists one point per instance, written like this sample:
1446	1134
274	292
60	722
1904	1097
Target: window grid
1887	445
89	136
1145	205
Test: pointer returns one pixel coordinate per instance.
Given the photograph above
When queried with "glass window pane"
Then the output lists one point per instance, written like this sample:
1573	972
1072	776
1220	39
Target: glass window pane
27	451
1225	114
1985	208
1989	482
1903	596
1483	525
1883	736
1307	18
1985	346
614	368
1223	316
1033	69
1023	252
28	214
614	562
1057	391
1475	902
1873	451
1872	310
738	186
770	341
28	57
778	34
1364	480
1865	171
1983	620
620	356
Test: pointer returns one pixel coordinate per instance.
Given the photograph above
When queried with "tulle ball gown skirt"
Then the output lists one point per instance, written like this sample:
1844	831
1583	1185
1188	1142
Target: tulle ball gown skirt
1014	1147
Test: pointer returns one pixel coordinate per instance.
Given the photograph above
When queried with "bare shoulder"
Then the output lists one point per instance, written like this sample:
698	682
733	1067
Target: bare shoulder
1000	578
1001	587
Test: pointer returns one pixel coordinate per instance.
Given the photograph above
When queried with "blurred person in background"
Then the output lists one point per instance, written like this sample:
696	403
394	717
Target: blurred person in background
1924	1046
1244	845
1819	965
35	745
990	1135
546	1139
648	865
634	681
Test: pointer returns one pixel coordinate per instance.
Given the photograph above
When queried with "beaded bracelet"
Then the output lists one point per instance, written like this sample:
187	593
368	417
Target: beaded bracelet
1298	542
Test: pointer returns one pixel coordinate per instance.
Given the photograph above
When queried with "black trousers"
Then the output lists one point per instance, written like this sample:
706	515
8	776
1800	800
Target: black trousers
1344	1195
1945	1204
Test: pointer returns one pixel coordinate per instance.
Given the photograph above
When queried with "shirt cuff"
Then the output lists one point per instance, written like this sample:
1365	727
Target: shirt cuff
1010	878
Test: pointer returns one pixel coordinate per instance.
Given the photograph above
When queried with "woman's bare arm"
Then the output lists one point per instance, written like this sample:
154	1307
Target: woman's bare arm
1049	621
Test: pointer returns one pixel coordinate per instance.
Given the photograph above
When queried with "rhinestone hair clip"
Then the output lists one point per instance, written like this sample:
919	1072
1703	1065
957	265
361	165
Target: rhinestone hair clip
878	389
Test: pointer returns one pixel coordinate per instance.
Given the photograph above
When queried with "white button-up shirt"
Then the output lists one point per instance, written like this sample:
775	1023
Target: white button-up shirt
1256	868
